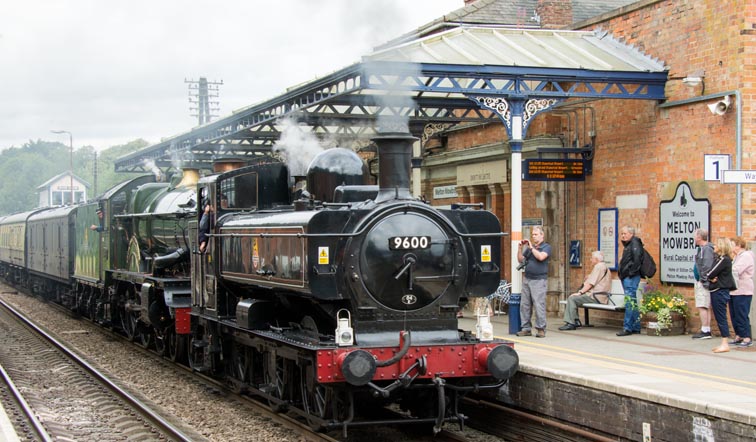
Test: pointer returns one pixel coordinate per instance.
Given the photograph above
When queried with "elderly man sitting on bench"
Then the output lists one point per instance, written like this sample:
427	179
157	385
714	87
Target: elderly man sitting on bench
595	289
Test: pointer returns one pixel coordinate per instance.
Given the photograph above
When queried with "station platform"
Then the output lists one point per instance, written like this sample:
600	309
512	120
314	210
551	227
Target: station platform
673	371
7	432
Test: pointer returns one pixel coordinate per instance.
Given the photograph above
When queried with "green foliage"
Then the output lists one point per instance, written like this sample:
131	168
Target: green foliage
663	301
107	177
25	168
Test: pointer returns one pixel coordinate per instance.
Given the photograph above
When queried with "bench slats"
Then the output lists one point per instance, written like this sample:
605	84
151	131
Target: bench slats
616	304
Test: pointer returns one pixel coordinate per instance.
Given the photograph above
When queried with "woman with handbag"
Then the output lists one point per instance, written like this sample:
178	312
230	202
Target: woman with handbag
720	283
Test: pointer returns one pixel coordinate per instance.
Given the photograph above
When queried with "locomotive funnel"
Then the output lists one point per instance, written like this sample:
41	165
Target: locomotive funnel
394	155
227	164
189	178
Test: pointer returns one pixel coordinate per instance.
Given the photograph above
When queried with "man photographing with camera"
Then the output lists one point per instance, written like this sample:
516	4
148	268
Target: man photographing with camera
533	257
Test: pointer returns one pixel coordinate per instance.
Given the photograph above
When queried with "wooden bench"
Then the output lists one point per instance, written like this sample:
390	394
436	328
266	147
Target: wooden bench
616	302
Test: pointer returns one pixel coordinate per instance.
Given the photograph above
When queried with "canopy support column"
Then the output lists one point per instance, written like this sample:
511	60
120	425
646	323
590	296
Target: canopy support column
517	114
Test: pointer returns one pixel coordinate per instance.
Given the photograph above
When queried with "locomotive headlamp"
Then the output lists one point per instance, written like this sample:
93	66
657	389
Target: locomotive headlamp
484	328
501	361
344	332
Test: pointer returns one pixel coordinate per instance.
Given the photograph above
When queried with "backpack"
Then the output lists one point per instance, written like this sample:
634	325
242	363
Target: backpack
648	266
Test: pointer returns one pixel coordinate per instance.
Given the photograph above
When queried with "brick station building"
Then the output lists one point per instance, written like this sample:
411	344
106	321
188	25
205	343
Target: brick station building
647	159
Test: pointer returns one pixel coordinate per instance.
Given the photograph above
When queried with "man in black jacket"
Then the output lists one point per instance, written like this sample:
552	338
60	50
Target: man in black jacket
629	273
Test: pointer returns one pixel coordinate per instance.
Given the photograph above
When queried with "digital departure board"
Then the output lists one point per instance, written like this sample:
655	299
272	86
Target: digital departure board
553	170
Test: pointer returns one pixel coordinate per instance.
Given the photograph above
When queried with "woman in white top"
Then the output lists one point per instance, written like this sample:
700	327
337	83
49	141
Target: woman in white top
740	299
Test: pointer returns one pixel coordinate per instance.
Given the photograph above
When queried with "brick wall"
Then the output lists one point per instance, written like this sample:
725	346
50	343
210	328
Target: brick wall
642	149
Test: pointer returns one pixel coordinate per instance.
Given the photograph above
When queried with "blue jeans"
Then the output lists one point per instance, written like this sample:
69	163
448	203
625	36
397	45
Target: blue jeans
632	316
719	300
740	307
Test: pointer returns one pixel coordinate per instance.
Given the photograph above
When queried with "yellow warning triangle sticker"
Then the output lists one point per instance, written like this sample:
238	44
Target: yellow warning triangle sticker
485	253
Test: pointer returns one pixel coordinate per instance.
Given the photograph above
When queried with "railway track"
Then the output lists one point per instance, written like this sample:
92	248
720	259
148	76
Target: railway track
21	416
489	420
213	387
69	398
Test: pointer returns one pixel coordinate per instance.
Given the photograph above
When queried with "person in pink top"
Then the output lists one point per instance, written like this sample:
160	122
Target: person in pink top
740	299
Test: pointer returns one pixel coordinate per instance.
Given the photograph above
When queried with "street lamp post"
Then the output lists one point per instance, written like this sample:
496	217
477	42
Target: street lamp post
70	160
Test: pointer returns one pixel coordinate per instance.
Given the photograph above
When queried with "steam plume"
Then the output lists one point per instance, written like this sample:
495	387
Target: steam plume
298	145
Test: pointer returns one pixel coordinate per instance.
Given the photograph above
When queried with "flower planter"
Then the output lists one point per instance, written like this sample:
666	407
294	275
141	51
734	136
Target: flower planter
650	325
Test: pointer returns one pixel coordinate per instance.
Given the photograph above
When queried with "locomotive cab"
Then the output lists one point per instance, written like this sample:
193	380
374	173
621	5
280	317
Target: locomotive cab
226	196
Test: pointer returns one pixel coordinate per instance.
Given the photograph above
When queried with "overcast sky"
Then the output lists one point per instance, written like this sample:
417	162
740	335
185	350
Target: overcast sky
111	72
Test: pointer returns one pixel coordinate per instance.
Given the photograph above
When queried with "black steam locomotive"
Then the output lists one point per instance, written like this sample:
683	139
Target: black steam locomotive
329	303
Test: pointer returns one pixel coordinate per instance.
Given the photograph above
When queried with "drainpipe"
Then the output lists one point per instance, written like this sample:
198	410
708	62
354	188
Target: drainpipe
738	142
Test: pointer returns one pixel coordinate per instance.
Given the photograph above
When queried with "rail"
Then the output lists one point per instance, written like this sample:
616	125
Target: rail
171	432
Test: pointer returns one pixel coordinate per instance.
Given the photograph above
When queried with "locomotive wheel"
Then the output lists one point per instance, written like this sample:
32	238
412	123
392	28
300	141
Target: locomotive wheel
130	325
176	346
146	336
161	343
129	318
275	383
241	364
316	399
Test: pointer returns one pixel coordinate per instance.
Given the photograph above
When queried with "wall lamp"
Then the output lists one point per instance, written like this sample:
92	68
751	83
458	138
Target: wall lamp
694	79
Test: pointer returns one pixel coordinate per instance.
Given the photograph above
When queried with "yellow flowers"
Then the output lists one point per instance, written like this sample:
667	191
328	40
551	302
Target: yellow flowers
665	298
663	301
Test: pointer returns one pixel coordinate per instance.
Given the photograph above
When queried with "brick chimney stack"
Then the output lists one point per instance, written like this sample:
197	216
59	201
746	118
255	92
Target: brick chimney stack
555	14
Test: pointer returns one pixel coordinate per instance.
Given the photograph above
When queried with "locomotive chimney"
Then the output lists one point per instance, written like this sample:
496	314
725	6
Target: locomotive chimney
227	164
394	155
189	178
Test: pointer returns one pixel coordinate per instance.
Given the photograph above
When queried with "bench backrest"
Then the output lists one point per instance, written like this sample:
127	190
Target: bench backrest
618	300
617	287
618	292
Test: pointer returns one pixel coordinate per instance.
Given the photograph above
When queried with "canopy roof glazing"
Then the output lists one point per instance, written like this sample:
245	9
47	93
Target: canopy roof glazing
450	77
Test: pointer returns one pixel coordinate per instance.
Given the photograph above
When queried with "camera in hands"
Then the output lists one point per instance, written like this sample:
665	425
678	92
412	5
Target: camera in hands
523	264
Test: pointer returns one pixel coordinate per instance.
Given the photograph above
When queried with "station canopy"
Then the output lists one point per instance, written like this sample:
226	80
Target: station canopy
440	80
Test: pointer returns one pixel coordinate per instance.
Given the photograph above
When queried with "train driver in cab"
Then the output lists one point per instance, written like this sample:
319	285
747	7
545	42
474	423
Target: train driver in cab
100	216
204	225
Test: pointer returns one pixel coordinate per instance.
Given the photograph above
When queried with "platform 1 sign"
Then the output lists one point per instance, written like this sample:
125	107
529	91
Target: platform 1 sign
553	170
715	165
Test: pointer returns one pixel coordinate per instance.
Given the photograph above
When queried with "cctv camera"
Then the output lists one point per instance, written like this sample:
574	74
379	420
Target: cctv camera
721	106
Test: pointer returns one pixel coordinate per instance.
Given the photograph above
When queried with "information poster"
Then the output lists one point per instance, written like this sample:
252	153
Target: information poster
607	234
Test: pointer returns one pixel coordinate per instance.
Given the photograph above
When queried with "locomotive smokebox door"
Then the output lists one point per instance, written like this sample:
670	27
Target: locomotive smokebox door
409	259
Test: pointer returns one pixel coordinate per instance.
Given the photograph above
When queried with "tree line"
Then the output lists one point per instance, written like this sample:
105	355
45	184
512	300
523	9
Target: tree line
25	168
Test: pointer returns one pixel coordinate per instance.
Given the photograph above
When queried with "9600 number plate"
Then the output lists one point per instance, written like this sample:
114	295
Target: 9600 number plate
409	242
